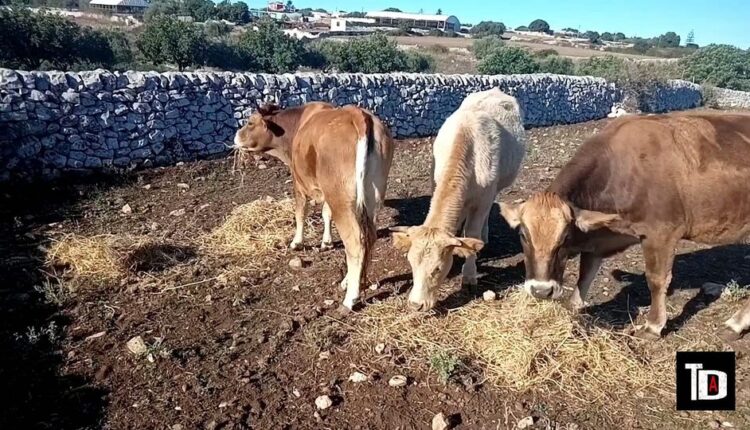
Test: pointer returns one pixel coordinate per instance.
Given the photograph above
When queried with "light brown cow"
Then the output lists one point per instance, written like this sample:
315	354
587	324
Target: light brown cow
652	180
477	153
339	157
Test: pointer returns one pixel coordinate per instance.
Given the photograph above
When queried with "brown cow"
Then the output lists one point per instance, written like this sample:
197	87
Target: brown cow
652	180
339	157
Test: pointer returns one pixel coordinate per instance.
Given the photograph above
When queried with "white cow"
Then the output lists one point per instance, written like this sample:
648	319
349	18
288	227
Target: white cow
477	153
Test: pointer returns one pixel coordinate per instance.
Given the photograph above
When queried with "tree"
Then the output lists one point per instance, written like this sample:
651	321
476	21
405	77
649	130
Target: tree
290	6
508	60
641	45
269	50
668	40
169	40
236	12
320	10
592	36
439	12
487	28
355	15
690	38
607	36
618	37
392	9
570	30
539	25
522	28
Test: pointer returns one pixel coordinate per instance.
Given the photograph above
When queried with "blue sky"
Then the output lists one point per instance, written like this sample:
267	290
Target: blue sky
713	21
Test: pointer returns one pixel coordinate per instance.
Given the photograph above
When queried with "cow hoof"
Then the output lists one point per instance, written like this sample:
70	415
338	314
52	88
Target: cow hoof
645	332
295	246
326	246
728	335
343	311
577	305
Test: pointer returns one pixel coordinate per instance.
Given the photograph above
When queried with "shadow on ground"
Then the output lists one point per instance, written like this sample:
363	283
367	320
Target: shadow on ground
719	265
36	391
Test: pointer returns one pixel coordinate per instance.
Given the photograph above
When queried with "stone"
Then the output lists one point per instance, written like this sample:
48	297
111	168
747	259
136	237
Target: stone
440	422
323	402
127	210
177	212
524	423
357	377
295	263
489	296
712	289
137	346
398	381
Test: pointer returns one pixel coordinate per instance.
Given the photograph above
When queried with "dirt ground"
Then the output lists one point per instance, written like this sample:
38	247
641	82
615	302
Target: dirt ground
255	349
462	42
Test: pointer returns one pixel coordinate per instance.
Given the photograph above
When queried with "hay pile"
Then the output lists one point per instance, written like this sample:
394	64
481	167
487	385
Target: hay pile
527	345
257	229
97	258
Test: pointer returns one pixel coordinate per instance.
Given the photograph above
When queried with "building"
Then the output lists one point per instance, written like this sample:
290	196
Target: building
126	7
338	24
415	20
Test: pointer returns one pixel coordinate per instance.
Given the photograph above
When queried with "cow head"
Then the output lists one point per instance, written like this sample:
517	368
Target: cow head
430	253
547	226
260	132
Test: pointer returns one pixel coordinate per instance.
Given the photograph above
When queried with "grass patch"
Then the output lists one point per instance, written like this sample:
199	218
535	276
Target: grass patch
94	258
256	230
527	345
445	364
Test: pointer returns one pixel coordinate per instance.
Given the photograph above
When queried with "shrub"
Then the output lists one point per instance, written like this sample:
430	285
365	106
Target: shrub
668	40
236	12
539	25
269	50
508	60
224	55
217	29
372	54
168	40
487	28
438	49
593	36
608	67
544	53
557	65
41	40
486	45
719	65
522	28
440	33
122	52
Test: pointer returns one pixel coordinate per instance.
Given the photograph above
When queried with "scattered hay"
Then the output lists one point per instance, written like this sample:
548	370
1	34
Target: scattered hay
527	345
94	258
256	229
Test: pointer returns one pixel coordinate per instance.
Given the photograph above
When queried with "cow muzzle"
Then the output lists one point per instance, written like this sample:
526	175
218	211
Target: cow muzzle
543	289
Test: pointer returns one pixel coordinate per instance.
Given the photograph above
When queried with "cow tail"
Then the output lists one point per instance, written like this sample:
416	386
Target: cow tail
365	201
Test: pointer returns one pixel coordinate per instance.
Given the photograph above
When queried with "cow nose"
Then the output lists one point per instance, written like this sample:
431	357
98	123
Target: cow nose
415	306
542	291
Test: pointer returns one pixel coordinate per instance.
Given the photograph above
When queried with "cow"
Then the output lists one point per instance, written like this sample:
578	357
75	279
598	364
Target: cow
339	157
477	152
648	180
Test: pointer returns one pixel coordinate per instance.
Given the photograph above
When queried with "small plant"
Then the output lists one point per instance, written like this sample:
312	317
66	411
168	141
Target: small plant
735	292
54	293
444	364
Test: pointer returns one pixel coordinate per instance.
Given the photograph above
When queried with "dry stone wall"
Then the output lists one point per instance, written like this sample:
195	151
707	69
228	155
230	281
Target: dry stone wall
56	122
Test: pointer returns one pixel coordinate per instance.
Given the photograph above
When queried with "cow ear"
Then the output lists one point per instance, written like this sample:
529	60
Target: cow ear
401	238
511	213
592	220
466	246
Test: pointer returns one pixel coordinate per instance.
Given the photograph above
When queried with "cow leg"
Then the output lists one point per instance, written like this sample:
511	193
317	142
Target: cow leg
356	266
659	256
486	228
735	326
589	267
472	228
300	210
327	242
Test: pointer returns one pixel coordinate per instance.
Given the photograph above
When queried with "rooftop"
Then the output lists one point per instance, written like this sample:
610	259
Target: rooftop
414	16
130	3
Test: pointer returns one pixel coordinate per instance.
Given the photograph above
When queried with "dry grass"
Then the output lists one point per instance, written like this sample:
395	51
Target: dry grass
257	229
97	259
527	345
